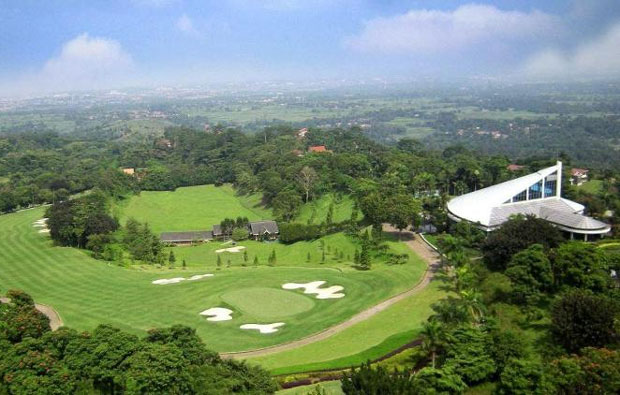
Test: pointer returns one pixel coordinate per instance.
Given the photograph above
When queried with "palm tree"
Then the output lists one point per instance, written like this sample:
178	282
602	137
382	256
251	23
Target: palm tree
432	339
473	303
463	278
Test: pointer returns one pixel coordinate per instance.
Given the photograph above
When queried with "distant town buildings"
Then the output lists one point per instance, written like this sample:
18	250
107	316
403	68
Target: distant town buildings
317	148
164	143
513	167
301	133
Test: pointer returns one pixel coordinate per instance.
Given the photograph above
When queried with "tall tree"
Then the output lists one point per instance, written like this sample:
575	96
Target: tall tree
580	319
432	339
530	273
515	235
306	178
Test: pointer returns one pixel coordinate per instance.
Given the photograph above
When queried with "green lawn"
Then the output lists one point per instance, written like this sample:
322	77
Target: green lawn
191	208
316	211
367	340
87	292
330	388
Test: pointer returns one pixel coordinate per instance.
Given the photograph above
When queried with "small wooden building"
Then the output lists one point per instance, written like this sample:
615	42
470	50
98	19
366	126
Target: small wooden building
186	238
264	230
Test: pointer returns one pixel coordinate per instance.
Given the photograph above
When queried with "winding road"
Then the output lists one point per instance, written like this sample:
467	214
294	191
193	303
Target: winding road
54	317
416	244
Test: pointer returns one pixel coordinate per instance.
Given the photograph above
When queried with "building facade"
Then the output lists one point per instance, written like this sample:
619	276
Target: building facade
537	194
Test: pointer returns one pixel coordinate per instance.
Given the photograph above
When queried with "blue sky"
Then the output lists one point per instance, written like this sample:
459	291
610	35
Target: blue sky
58	45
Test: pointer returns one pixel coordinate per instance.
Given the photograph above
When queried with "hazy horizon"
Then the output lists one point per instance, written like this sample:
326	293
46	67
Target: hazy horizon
61	46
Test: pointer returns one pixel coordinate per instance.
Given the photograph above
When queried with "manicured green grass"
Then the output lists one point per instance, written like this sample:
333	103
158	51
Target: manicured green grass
191	208
87	292
330	388
316	211
369	339
268	303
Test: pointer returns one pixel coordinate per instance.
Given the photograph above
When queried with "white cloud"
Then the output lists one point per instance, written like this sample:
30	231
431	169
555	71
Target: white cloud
428	31
84	63
185	24
598	58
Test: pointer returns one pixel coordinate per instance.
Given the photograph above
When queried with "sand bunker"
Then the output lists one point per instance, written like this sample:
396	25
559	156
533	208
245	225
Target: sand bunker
176	280
199	276
217	314
266	328
231	249
314	288
42	223
165	281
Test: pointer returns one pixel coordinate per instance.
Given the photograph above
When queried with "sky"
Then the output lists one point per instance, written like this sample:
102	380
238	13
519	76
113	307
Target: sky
63	45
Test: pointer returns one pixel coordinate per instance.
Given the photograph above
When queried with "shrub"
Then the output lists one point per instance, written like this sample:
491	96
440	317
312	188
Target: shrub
239	234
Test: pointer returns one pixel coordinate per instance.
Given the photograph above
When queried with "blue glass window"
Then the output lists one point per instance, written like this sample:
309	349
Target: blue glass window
536	190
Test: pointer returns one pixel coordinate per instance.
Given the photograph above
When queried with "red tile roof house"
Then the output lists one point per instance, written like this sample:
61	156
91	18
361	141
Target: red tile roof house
317	148
578	176
513	167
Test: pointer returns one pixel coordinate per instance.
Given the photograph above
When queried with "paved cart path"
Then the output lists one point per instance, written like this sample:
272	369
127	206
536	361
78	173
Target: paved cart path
55	321
416	244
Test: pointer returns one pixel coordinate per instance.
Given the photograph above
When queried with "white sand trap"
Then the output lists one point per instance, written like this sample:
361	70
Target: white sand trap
314	288
165	281
266	328
199	276
42	223
175	280
231	249
217	314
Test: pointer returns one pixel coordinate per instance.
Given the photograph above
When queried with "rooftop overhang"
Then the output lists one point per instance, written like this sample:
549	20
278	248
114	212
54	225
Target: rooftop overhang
598	231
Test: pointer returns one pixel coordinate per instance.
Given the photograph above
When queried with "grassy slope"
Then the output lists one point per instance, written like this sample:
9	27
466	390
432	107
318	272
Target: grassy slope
367	340
191	208
204	255
330	388
319	207
87	292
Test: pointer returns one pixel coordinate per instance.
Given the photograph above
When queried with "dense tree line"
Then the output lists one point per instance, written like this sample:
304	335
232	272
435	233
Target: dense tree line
589	140
107	360
482	332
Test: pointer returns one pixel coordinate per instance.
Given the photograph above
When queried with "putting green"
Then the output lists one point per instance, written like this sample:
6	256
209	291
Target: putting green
268	303
86	292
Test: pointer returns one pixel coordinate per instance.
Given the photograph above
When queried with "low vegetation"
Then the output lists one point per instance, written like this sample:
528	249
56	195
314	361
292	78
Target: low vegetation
109	360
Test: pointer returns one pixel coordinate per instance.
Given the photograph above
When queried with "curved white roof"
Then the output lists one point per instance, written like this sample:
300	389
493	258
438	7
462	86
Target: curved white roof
492	206
477	206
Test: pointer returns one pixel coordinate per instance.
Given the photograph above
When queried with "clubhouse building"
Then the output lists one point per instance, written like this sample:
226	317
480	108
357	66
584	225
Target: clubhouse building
257	230
537	194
